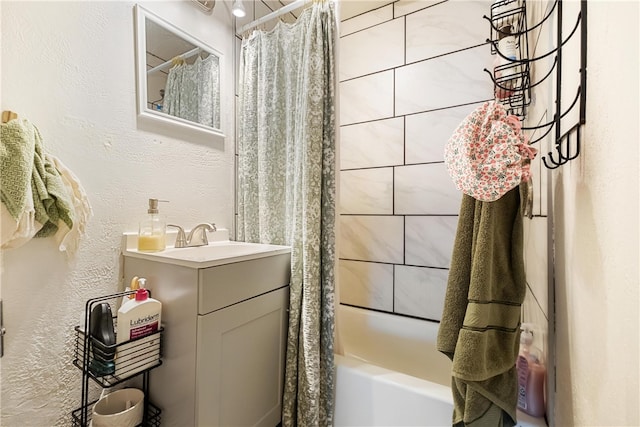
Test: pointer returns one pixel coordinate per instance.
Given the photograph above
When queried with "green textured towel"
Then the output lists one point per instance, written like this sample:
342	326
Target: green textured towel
17	148
479	330
22	153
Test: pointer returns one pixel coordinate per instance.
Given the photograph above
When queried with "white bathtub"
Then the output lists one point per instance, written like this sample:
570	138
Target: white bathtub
390	373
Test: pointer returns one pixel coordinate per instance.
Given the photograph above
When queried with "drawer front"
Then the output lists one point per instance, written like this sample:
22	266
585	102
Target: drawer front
229	284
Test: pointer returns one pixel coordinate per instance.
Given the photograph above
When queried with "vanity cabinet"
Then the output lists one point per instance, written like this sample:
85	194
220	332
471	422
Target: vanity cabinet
225	340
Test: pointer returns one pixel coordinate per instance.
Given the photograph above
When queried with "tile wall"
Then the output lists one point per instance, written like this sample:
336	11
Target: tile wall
410	71
536	305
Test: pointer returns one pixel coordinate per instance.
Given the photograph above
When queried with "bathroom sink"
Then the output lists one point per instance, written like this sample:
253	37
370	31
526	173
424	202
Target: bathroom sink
213	254
222	250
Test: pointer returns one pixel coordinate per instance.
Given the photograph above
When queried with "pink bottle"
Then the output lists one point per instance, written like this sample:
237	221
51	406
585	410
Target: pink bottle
531	375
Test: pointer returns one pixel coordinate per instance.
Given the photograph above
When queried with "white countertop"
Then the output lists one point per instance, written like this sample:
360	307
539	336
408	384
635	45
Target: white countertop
219	251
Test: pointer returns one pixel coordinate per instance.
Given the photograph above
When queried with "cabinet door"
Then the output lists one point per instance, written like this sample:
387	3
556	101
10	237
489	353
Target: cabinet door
240	362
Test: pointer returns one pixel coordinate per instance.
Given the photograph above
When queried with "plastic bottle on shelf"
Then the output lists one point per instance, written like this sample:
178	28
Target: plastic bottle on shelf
505	70
103	340
137	318
507	44
531	374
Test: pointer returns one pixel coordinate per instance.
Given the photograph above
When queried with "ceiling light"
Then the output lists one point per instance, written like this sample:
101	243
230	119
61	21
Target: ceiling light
238	9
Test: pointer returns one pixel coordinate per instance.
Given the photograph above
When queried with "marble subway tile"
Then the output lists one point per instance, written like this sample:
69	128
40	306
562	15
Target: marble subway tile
372	144
375	49
404	7
540	112
367	98
444	81
366	284
420	291
428	133
367	191
535	14
538	184
447	27
535	261
425	190
429	240
372	238
351	9
536	116
543	179
366	20
531	313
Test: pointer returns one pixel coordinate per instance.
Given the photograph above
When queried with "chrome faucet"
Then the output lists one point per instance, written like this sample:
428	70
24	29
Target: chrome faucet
183	241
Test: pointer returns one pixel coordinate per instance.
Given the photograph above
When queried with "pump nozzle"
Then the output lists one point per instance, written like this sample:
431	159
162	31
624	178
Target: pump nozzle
153	205
526	334
142	293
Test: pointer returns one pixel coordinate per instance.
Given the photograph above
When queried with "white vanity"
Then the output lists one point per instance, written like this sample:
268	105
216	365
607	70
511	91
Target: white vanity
224	310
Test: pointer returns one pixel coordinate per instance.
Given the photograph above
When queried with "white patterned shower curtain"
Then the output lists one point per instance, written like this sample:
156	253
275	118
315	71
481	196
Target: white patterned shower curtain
192	91
286	188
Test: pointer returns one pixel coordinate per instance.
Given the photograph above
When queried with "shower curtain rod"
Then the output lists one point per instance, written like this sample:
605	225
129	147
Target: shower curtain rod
286	9
185	55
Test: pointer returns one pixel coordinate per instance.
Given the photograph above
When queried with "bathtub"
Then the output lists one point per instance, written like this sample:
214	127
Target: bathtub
390	373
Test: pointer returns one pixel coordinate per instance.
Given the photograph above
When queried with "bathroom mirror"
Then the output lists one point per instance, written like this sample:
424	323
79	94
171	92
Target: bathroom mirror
178	78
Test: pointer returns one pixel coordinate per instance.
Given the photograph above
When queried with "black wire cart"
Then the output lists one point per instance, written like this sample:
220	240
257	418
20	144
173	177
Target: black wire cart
111	365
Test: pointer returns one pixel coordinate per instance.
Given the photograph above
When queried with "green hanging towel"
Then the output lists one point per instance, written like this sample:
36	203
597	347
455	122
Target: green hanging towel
480	330
17	149
24	163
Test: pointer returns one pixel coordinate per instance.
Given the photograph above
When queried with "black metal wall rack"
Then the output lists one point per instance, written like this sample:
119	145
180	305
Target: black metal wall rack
512	82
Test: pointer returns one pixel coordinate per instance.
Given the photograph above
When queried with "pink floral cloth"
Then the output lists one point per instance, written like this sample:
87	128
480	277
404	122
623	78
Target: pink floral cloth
488	154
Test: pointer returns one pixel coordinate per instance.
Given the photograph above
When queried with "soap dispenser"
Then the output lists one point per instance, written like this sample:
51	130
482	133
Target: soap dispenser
152	232
531	374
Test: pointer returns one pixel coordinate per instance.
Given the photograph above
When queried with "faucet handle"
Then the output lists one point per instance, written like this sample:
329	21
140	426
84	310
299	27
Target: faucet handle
181	239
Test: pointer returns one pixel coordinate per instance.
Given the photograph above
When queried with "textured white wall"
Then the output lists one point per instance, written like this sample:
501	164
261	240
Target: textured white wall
69	68
596	218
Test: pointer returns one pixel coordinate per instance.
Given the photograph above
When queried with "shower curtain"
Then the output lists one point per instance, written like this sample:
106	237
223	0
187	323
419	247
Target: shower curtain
192	91
286	190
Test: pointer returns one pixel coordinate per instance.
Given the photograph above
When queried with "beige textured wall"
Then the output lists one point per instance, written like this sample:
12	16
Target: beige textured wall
596	217
69	68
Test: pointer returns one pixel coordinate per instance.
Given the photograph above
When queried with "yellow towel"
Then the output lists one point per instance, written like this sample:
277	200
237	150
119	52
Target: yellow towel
479	330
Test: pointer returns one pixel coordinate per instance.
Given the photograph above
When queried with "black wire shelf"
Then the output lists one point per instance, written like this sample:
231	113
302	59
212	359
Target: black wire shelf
512	82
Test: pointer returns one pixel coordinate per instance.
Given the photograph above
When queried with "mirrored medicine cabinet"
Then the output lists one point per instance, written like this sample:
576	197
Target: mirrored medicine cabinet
179	87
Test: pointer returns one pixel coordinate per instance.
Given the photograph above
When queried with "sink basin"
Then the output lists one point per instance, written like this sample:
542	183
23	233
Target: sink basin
215	253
